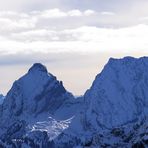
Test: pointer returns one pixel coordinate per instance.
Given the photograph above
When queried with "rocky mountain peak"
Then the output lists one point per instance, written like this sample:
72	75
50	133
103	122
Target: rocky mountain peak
34	93
113	112
38	67
119	93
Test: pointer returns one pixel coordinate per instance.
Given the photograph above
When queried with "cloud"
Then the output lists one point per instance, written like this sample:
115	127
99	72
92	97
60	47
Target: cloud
81	40
107	13
11	20
53	13
57	13
69	36
89	12
30	5
59	31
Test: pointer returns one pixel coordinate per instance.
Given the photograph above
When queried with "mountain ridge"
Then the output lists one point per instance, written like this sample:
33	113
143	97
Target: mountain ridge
119	85
112	112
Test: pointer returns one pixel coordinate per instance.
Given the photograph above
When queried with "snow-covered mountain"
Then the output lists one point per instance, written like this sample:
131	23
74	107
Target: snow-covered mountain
119	94
115	107
37	99
39	112
1	99
35	93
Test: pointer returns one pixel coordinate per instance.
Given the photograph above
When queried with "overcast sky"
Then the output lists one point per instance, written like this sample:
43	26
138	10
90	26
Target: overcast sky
73	38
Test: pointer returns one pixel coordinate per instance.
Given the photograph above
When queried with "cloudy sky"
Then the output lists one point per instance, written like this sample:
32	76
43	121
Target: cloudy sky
73	38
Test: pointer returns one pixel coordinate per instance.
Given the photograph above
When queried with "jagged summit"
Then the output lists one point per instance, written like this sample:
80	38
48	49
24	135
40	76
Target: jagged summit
38	67
119	93
34	93
40	112
127	59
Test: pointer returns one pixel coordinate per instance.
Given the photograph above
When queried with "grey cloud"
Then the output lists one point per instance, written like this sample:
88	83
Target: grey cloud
56	60
24	59
127	11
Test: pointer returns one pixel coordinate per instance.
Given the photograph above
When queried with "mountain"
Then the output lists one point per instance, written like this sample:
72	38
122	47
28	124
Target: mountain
115	107
35	93
39	112
36	101
1	99
119	93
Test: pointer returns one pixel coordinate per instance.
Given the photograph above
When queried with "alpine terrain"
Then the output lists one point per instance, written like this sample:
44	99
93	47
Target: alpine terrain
38	112
1	98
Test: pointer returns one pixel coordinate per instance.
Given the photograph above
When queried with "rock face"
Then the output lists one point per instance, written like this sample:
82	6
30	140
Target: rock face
29	110
35	93
1	99
39	112
119	94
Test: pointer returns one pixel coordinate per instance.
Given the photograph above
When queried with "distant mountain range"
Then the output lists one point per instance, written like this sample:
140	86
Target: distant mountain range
38	112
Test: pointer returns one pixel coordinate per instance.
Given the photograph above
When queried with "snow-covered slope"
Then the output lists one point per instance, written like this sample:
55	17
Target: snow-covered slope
119	94
36	104
36	92
39	112
1	99
115	108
